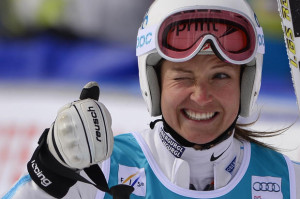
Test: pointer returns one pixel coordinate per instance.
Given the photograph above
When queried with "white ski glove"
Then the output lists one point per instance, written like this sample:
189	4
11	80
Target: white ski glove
81	135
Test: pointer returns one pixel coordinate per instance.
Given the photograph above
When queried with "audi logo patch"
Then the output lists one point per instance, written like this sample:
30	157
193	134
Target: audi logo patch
266	187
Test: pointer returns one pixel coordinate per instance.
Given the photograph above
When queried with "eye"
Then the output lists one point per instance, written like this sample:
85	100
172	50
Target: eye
221	76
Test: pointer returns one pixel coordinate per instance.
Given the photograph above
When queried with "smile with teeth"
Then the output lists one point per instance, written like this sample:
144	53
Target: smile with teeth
199	116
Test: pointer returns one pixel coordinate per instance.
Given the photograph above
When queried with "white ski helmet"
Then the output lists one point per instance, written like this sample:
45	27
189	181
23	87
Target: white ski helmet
159	22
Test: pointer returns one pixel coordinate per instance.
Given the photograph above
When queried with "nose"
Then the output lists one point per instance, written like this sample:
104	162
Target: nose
201	94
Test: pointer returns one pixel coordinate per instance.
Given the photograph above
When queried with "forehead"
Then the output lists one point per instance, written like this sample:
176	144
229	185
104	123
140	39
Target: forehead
198	63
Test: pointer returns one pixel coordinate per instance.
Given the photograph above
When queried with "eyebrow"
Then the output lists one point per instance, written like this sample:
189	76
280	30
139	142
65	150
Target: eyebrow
225	66
180	69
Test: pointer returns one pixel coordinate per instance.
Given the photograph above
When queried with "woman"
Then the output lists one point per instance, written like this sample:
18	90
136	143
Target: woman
200	68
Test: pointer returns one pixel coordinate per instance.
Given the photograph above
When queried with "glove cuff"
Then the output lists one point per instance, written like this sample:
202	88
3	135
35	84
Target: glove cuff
47	172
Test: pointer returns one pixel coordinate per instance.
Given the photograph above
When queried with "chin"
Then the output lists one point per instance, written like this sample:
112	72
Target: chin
199	136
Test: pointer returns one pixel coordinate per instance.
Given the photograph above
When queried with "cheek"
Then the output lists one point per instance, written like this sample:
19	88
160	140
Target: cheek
167	106
228	94
171	99
168	98
231	100
164	100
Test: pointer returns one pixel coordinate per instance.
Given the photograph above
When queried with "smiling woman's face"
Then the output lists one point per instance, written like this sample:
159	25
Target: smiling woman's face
200	98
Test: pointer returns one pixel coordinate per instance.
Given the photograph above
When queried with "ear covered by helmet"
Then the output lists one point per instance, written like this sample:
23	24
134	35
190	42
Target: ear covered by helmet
159	10
250	85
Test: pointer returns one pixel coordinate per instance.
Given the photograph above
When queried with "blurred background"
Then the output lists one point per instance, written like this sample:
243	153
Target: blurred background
49	49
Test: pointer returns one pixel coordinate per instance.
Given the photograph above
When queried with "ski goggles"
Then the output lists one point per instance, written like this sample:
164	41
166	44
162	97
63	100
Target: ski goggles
231	36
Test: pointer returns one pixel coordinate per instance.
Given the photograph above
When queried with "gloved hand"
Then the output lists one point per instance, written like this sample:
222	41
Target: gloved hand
81	135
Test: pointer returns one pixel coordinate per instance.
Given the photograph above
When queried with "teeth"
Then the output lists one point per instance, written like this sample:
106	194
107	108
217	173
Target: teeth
199	116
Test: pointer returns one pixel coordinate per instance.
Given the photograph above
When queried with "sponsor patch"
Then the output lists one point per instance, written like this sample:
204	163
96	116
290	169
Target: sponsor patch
145	21
39	173
231	166
261	40
174	147
256	20
134	177
266	187
145	41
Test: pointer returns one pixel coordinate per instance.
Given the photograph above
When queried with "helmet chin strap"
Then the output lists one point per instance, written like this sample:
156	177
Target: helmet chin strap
181	140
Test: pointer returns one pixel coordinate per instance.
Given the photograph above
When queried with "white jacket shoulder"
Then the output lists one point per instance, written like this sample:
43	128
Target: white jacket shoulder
297	177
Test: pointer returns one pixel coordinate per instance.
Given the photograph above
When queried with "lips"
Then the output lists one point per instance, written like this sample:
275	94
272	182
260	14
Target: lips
199	116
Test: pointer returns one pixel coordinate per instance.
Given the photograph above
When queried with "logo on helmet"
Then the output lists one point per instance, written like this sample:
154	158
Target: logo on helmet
260	40
144	40
256	19
145	21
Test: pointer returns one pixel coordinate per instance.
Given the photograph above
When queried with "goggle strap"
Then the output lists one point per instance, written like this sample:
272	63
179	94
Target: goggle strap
146	40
